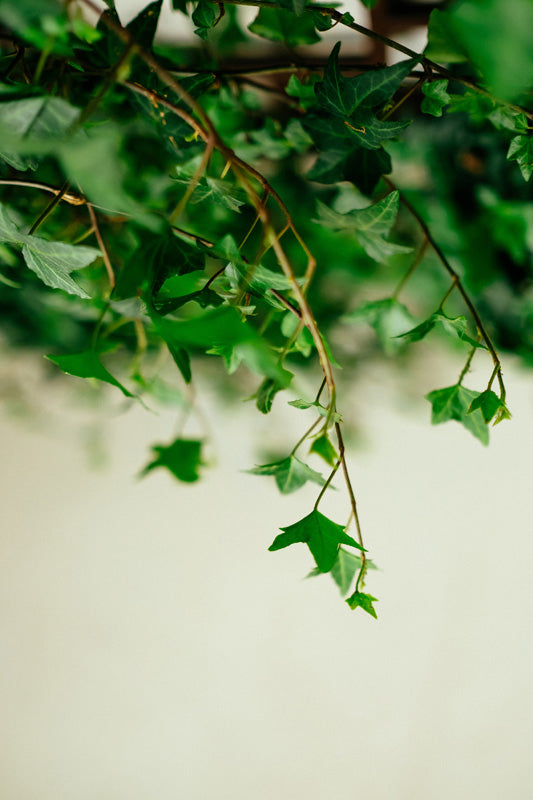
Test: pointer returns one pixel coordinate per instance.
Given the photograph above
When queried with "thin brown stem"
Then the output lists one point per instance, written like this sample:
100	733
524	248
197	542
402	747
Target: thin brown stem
353	504
103	248
457	283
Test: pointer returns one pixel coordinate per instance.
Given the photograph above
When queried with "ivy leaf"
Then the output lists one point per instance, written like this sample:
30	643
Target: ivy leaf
305	92
370	225
290	474
386	317
42	118
144	26
489	404
53	262
87	365
521	151
364	601
456	326
443	44
322	446
204	16
435	97
322	410
182	360
280	25
341	96
266	393
454	403
322	536
344	569
182	458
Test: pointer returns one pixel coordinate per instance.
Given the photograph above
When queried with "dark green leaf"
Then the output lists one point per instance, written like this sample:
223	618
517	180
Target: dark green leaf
454	403
182	360
364	601
322	536
87	365
280	25
182	458
435	97
341	96
204	16
290	474
144	26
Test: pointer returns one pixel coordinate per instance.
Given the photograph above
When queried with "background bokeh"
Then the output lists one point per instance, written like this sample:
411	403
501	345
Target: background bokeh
153	647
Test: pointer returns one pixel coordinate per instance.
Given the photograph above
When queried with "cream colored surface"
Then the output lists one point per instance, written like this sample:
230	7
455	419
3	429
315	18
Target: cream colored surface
153	648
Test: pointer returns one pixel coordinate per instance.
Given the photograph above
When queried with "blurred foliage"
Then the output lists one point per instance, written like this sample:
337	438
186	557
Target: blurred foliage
160	199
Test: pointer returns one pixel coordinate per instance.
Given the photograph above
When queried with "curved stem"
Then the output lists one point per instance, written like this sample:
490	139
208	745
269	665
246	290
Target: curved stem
457	283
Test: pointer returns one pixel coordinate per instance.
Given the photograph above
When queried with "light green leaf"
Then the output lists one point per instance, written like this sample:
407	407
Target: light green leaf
387	317
364	601
344	569
182	458
290	474
370	225
41	118
280	25
521	151
322	446
454	403
435	97
54	261
455	326
322	410
87	365
443	44
322	536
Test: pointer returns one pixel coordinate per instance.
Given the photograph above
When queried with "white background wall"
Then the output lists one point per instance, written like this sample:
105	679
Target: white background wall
153	648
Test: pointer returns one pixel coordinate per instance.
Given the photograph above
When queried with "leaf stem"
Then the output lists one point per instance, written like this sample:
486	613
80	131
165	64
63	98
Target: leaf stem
103	248
467	365
456	283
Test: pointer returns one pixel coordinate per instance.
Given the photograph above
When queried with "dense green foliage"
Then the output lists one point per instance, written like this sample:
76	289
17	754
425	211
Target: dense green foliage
167	199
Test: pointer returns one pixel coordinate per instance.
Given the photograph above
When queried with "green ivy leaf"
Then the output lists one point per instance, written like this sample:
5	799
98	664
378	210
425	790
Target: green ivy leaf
443	44
322	410
322	536
305	92
290	474
370	225
435	97
144	26
455	326
521	151
364	601
87	365
182	458
386	317
53	262
280	25
489	404
266	393
341	96
45	119
454	403
204	16
182	360
322	446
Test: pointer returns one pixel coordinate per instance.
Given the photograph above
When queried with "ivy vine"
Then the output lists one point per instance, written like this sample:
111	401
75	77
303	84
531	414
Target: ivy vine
172	200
